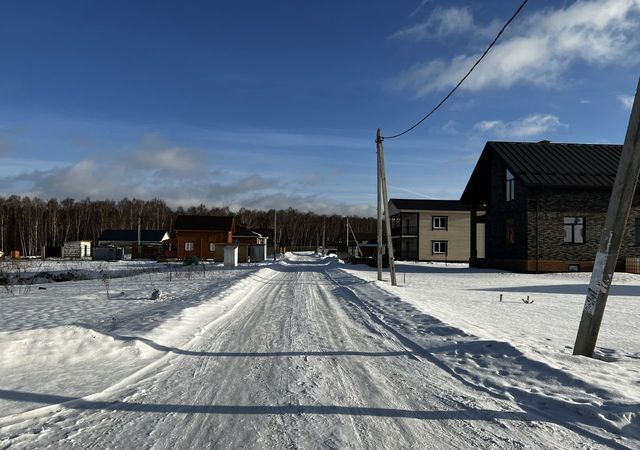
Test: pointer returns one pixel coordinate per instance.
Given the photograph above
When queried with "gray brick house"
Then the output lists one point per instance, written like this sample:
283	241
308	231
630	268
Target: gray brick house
545	205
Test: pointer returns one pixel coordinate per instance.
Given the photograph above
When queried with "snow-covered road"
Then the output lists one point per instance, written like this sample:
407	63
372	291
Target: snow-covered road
303	360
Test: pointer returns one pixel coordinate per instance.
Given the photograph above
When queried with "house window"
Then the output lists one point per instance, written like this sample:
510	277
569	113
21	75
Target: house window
188	246
439	223
212	247
574	230
439	247
510	186
509	231
638	231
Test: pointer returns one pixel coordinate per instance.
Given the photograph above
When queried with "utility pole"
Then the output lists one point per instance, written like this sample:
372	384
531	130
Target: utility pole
324	234
385	199
622	194
379	188
358	251
347	235
275	234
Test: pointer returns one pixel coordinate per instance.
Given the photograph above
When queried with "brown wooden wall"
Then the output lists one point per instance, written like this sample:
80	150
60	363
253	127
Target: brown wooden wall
201	240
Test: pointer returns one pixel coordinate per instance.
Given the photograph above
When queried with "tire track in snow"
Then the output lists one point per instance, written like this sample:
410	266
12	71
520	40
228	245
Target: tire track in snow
296	364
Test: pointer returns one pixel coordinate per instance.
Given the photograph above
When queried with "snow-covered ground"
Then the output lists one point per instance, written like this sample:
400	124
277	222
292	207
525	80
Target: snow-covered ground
313	353
73	337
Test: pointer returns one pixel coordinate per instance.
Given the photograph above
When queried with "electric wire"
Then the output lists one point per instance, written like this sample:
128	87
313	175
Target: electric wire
504	27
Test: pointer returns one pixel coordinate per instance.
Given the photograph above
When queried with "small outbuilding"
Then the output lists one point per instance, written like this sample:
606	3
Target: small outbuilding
76	249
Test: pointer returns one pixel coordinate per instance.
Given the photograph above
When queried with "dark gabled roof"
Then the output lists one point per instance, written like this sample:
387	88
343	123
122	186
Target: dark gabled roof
204	223
245	232
564	165
132	235
428	205
546	164
264	232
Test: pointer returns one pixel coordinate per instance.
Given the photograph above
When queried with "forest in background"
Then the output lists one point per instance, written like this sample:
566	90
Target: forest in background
27	224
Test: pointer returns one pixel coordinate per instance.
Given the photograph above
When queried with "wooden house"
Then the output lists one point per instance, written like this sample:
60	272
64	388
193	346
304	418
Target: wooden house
546	205
430	230
203	236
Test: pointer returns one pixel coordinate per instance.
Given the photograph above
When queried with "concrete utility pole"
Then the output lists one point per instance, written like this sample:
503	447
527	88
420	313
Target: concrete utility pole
379	187
619	206
275	234
347	235
358	251
385	199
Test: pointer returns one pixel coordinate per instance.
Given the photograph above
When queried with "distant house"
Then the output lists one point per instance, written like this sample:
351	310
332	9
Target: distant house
545	205
430	230
152	242
207	236
244	235
365	244
126	238
203	236
254	241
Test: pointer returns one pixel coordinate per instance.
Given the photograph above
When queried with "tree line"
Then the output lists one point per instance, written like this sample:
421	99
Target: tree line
28	224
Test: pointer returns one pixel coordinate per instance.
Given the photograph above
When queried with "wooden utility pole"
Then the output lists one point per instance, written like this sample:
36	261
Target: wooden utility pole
385	200
324	235
379	187
622	194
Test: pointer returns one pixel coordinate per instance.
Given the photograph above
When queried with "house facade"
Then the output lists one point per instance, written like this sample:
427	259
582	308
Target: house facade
546	205
431	230
203	236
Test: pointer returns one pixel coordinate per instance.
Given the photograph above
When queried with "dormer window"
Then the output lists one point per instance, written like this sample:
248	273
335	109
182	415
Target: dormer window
509	186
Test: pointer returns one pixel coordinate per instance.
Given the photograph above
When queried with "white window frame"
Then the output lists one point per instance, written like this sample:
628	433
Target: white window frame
212	246
439	220
189	246
440	251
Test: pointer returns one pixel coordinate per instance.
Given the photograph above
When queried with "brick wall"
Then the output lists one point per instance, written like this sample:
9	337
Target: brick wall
554	205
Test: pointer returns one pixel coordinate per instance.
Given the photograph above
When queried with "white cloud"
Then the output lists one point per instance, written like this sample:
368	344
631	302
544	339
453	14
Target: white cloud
539	49
419	7
626	100
154	153
533	125
440	23
117	177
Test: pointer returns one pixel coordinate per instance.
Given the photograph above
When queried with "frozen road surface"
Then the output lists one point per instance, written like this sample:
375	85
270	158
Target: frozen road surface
303	360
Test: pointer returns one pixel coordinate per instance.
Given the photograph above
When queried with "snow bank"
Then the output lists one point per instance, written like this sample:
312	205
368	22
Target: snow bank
71	340
65	346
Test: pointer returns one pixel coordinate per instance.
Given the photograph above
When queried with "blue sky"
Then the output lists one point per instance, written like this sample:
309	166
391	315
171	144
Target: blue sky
276	104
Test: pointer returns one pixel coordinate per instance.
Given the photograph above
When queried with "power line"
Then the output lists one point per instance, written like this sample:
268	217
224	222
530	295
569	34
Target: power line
463	78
